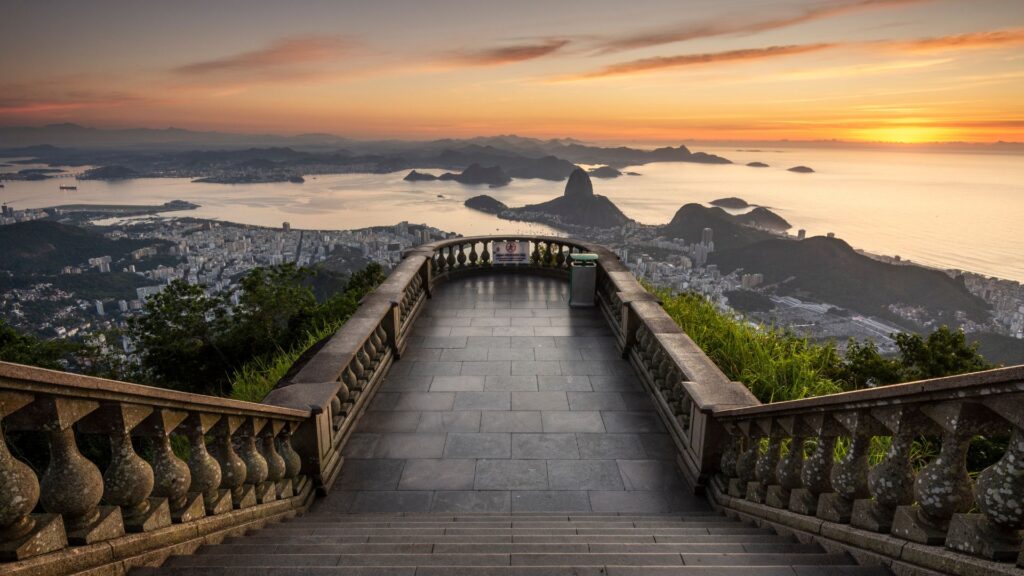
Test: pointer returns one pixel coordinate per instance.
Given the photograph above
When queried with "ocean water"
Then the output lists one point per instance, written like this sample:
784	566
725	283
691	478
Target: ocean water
950	210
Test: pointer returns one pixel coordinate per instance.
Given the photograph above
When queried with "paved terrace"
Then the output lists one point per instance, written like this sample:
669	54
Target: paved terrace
507	400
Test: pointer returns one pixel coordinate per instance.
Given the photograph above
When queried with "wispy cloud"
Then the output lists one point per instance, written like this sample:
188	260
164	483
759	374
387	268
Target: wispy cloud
288	56
644	65
969	41
33	101
510	54
737	25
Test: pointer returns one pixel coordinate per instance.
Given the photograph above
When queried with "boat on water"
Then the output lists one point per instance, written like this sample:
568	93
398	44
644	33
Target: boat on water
68	187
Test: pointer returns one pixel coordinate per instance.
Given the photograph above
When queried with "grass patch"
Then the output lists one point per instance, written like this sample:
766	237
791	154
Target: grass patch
257	377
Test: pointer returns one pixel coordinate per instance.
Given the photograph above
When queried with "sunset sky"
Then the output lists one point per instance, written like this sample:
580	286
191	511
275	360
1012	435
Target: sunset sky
878	70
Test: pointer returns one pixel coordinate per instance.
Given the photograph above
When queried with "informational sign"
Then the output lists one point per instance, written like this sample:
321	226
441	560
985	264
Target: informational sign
511	252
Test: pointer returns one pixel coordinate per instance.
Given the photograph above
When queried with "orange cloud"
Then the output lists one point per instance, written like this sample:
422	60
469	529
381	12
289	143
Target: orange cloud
969	41
662	62
739	26
279	56
509	54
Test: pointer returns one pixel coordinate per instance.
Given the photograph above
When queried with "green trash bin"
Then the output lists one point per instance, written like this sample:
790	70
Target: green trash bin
582	280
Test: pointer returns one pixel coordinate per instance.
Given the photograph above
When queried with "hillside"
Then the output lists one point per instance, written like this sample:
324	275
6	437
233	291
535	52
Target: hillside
43	246
579	206
830	270
690	220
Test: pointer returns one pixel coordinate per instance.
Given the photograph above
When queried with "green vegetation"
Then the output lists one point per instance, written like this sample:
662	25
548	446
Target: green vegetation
779	365
192	341
26	349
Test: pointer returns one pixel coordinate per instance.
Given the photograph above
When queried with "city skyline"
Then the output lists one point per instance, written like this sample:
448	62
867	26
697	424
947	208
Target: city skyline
861	70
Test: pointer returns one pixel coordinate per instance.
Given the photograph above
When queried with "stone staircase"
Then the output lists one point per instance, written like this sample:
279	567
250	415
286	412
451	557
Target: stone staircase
528	543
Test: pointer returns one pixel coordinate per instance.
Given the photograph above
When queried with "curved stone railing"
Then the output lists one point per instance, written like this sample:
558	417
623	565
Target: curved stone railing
240	467
782	458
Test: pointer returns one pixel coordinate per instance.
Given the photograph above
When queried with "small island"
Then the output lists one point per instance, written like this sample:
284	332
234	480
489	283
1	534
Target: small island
485	203
605	172
493	176
801	169
732	203
757	164
109	173
764	219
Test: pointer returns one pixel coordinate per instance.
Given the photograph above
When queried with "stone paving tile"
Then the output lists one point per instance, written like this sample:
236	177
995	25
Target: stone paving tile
645	502
631	422
391	502
369	474
536	367
610	383
511	475
510	421
544	446
590	401
477	445
584	475
463	354
482	401
461	421
488	342
404	445
539	401
471	501
472	331
447	474
488	368
410	383
510	383
650	475
425	401
550	501
390	422
510	353
431	368
564	383
610	446
457	384
658	446
555	354
572	422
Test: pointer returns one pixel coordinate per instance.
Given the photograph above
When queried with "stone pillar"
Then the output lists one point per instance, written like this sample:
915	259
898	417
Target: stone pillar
850	474
71	486
995	534
275	463
256	469
292	461
943	487
891	482
787	473
232	468
816	474
128	481
764	467
22	534
204	469
173	479
746	462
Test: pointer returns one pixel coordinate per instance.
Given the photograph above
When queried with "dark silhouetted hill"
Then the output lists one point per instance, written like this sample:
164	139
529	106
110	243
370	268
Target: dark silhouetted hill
485	203
828	269
578	206
764	218
731	202
43	246
690	220
109	173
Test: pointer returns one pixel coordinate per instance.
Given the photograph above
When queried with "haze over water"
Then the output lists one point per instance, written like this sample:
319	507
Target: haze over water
944	209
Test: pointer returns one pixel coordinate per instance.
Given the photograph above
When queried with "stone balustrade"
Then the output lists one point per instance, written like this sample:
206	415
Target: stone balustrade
147	485
938	505
184	460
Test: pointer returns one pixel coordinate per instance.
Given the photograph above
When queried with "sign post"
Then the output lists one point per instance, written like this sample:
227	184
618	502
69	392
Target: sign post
511	252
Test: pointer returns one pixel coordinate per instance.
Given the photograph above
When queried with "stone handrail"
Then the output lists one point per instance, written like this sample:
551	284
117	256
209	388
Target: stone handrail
766	466
240	457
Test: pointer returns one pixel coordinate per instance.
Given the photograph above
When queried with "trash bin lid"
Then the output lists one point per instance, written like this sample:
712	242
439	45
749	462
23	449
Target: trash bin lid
583	257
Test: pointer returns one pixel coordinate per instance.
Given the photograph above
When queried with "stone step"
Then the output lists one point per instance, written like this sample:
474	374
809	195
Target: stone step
509	548
507	517
521	571
320	529
756	537
513	559
522	523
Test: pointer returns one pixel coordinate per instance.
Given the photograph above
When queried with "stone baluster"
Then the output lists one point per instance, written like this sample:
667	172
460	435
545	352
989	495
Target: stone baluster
561	258
473	256
22	534
451	258
204	469
364	360
850	474
71	486
942	488
549	255
787	473
891	482
256	469
232	468
727	465
485	254
684	405
995	533
535	255
337	417
746	462
350	384
275	462
764	466
292	460
816	474
128	481
172	477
